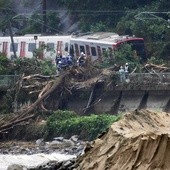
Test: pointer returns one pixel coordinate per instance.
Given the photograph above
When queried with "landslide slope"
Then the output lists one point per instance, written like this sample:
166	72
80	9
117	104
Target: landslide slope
139	141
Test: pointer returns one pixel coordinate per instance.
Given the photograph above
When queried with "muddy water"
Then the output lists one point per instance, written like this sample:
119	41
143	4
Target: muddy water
31	161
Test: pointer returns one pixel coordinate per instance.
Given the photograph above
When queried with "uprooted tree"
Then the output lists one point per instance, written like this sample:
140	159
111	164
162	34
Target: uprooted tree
38	92
33	93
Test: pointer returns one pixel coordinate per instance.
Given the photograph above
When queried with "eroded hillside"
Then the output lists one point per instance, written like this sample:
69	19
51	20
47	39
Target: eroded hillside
140	141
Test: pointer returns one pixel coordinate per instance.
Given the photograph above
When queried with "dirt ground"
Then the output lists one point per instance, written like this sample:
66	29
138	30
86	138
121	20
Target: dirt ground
139	141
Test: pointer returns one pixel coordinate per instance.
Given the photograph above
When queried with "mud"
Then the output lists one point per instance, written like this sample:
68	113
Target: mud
139	141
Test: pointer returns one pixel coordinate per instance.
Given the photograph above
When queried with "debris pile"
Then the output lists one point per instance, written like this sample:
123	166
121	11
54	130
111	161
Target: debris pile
140	140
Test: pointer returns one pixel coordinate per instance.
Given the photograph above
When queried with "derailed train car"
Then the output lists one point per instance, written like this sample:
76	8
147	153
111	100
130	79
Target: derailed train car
96	44
92	44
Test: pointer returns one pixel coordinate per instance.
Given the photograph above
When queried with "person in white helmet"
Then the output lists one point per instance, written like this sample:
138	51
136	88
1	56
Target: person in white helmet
127	72
69	59
58	57
122	74
126	68
81	60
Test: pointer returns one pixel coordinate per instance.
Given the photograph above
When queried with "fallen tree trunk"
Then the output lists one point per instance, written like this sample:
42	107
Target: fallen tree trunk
23	115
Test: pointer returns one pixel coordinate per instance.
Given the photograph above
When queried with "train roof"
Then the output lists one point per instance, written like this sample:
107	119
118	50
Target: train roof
40	37
105	37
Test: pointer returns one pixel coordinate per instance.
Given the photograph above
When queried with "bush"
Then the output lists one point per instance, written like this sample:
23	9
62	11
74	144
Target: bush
4	62
34	66
66	124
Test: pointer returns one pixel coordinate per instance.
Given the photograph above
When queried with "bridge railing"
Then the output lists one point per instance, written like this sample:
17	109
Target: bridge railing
150	77
7	81
150	81
133	80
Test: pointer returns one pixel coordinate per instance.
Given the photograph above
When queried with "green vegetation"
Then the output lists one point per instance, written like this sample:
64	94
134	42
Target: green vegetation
124	54
147	19
4	63
26	66
122	17
67	123
34	23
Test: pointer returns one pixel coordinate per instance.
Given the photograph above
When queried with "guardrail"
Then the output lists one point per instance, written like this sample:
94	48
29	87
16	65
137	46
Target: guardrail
6	81
151	77
143	81
129	81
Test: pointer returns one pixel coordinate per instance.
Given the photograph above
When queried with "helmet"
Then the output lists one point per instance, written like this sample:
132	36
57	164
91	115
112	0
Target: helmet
82	53
126	64
59	62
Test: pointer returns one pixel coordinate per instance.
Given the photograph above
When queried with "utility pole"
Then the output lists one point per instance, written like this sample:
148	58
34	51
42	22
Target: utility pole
12	38
10	32
44	12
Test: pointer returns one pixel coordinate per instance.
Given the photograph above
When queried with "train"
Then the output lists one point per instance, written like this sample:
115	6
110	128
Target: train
93	45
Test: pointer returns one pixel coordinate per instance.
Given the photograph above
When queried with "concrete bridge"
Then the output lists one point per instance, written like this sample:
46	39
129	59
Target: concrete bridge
141	91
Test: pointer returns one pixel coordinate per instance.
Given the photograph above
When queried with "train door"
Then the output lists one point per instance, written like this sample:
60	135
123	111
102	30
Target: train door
59	46
87	50
99	51
72	51
41	48
110	53
66	47
5	48
77	50
22	49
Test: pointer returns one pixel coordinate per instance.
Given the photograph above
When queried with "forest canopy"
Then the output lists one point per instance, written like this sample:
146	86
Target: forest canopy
142	18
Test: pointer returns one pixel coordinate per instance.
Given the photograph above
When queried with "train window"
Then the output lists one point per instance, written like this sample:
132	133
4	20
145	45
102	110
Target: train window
82	49
15	47
138	47
93	51
88	50
99	52
50	46
76	49
103	50
66	47
31	47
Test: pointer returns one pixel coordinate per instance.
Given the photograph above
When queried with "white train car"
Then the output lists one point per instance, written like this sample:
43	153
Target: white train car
93	45
26	45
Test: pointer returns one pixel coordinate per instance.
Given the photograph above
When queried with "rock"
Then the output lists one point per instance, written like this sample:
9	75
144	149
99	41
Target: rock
16	167
74	138
55	145
67	164
40	142
60	139
68	143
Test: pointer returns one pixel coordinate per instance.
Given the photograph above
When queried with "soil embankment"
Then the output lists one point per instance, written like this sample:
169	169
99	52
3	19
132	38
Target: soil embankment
140	141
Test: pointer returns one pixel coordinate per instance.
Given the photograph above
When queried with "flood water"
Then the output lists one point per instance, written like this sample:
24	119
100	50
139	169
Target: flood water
31	161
